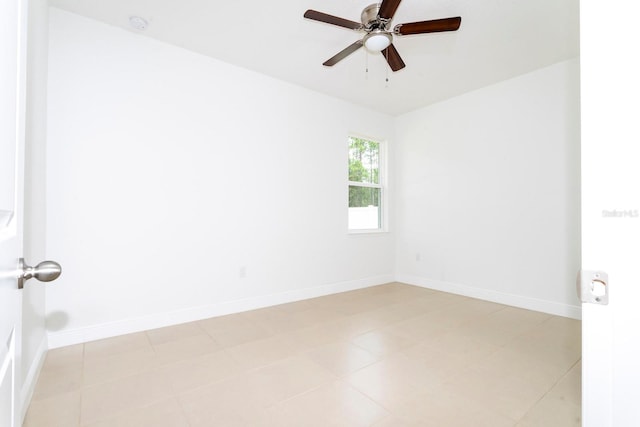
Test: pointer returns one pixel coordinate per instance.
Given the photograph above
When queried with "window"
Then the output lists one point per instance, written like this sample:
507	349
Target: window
366	192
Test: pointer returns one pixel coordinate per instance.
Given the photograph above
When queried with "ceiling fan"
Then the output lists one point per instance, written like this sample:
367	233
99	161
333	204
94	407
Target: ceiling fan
375	23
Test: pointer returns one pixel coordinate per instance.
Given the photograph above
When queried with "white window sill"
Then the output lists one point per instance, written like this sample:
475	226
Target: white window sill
371	231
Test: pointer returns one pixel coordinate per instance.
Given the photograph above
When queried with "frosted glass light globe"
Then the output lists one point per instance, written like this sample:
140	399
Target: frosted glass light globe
375	42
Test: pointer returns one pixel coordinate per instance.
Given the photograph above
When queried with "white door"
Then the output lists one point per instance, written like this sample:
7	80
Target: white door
12	113
610	76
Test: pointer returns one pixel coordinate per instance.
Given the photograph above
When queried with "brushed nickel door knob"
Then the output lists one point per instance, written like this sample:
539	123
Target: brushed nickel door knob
46	271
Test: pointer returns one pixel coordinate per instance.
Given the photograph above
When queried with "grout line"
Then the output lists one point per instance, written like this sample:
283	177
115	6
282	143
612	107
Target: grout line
563	376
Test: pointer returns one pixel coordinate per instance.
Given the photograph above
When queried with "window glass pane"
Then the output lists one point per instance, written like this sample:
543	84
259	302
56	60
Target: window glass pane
364	208
364	161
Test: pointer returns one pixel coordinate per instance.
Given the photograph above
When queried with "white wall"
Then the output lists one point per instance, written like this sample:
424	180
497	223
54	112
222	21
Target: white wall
34	338
171	175
488	192
181	187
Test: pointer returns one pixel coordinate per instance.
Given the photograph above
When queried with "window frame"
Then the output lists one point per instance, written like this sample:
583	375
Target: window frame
381	185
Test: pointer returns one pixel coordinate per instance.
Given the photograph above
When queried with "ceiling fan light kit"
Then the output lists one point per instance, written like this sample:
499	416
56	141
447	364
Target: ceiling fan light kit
376	23
377	40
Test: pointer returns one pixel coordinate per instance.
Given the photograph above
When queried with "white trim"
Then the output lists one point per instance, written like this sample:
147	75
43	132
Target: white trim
364	184
159	320
30	381
367	231
529	303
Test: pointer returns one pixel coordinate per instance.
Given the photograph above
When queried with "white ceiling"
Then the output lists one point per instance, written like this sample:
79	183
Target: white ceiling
497	40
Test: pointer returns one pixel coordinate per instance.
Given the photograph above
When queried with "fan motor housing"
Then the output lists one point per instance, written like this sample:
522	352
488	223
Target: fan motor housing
369	17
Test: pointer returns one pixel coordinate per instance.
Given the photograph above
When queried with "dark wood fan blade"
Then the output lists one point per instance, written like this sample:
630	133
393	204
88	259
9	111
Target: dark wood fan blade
393	58
388	9
434	26
343	54
330	19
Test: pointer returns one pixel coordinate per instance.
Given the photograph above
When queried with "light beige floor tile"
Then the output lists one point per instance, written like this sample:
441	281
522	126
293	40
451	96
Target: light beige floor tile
553	411
98	370
452	343
510	395
349	327
296	306
395	312
503	325
116	345
241	335
328	302
234	330
527	366
341	358
273	320
308	338
439	408
434	301
111	399
287	378
276	320
443	363
397	293
478	307
313	316
559	331
199	371
205	414
166	413
293	307
332	404
419	328
393	421
65	357
230	402
185	348
394	379
553	342
247	396
569	388
456	315
553	357
229	322
61	410
261	352
173	333
352	305
561	406
488	334
381	342
518	316
52	382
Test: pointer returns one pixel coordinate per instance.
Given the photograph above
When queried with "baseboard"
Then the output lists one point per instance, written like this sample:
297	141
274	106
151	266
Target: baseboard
159	320
29	384
535	304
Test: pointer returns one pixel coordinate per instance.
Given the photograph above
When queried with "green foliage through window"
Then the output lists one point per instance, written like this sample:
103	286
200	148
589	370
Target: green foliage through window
364	161
365	184
364	166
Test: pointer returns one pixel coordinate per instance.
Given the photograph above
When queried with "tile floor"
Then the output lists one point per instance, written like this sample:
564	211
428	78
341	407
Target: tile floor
391	355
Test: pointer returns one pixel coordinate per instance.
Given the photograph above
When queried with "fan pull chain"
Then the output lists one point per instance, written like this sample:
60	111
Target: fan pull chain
386	78
366	64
